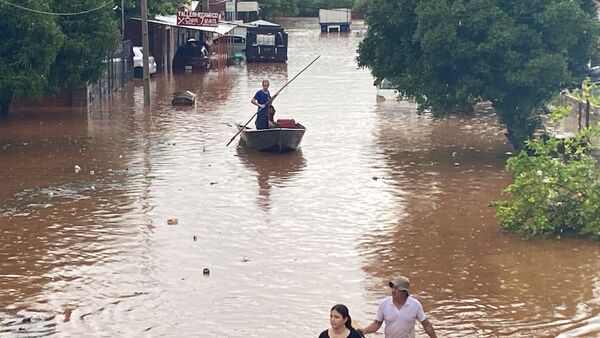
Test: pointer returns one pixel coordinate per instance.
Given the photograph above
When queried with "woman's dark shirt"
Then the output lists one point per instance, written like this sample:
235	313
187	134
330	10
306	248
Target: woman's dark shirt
353	334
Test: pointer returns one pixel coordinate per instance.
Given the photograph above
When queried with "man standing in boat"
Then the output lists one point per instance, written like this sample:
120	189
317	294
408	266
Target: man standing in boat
260	99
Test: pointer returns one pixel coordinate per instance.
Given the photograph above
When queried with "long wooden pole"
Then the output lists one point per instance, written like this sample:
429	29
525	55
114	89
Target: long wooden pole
271	100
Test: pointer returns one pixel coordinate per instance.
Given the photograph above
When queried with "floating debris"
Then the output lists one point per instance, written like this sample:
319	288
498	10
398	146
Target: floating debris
77	169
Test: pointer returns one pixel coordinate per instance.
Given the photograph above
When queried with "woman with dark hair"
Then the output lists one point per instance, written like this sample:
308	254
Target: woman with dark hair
341	324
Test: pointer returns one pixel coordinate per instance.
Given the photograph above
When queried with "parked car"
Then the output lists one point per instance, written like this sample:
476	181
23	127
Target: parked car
387	92
193	55
138	62
237	42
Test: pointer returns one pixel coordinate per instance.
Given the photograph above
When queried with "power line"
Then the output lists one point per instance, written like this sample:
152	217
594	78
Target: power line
54	13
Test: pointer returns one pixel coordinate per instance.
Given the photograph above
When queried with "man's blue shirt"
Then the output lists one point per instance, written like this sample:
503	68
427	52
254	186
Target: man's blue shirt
262	118
262	97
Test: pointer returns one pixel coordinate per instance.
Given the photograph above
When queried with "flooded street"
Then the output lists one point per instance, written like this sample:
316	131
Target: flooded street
374	191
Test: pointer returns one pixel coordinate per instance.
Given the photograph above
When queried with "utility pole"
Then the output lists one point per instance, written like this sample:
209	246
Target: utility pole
122	84
146	52
122	20
234	16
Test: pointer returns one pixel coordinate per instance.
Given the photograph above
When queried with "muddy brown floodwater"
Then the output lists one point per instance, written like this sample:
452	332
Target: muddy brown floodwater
375	191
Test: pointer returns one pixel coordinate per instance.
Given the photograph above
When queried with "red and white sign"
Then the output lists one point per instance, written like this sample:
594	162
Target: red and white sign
197	19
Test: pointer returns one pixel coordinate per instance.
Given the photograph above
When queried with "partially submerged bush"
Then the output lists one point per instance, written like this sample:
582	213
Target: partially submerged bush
555	189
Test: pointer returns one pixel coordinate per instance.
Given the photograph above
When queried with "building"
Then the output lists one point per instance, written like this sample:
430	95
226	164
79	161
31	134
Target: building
165	37
247	11
266	41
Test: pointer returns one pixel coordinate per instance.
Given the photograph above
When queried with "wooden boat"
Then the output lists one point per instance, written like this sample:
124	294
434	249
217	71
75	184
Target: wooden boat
272	139
186	98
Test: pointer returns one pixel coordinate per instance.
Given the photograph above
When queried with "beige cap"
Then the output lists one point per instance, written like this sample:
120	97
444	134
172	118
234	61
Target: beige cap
400	283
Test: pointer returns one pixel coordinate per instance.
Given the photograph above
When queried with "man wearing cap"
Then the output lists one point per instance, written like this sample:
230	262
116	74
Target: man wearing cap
399	312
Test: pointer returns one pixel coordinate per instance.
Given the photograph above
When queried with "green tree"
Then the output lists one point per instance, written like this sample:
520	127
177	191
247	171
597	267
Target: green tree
271	8
44	52
360	5
90	37
449	53
311	7
29	43
155	7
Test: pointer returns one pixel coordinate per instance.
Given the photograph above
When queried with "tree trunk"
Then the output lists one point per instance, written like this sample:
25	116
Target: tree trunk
4	104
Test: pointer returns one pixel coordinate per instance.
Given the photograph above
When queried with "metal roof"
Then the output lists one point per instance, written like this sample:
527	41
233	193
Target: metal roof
264	23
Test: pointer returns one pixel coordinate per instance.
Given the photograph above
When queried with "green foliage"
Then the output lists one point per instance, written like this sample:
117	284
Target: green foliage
29	43
271	8
81	58
360	5
448	54
555	189
155	7
43	53
311	7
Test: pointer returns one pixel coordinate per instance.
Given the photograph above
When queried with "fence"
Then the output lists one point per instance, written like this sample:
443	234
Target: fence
117	74
582	114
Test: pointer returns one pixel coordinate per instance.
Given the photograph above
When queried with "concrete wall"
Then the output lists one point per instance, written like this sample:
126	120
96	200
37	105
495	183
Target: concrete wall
67	99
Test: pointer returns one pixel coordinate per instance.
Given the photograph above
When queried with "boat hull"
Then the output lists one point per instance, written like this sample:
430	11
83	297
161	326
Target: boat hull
273	139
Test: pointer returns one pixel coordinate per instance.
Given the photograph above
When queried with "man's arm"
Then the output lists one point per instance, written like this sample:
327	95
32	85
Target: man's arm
254	102
428	327
373	327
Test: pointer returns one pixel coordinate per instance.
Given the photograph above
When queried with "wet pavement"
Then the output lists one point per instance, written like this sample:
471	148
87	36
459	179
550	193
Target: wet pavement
375	191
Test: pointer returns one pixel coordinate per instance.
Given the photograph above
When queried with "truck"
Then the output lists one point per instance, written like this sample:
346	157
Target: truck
335	20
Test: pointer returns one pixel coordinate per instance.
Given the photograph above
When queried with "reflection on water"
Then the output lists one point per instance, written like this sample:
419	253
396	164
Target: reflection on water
376	190
272	169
